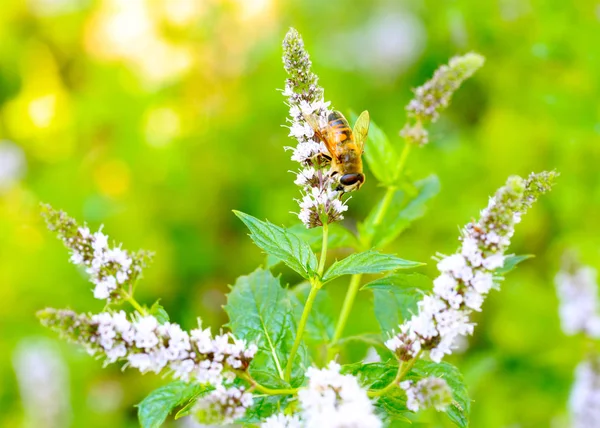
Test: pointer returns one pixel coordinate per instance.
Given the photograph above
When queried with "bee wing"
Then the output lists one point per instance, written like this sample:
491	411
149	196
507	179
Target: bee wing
361	129
313	121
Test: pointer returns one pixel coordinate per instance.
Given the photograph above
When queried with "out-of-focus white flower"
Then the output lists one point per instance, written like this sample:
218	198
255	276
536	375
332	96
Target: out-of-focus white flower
335	400
43	384
584	403
223	406
434	96
12	164
578	297
282	421
429	392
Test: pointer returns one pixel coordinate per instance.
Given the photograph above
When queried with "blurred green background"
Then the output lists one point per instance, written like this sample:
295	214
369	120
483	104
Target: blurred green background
158	117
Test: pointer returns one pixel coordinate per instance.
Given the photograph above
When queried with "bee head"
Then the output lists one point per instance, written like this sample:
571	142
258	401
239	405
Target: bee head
350	182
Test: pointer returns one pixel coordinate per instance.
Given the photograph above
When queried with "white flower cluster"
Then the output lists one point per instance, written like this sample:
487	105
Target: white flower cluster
223	405
320	202
584	402
467	276
150	346
578	296
281	420
336	401
110	268
429	392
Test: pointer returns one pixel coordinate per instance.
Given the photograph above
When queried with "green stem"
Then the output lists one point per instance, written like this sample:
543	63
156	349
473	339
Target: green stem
402	371
402	161
346	308
315	286
129	298
385	204
323	257
265	390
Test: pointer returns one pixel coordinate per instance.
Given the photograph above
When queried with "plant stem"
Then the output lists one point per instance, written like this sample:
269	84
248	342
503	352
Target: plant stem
402	161
385	204
265	390
315	286
399	376
129	298
323	257
346	308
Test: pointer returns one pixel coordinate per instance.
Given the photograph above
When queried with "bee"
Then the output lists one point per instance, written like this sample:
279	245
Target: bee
345	147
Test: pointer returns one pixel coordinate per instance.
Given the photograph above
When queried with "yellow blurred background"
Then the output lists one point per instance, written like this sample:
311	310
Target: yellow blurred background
156	118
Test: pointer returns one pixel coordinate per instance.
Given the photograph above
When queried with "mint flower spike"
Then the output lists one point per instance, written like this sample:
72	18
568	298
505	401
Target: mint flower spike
584	400
426	393
434	96
320	201
149	346
111	269
468	275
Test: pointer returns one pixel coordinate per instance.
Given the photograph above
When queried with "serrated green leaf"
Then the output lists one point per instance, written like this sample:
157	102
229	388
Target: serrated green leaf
260	311
281	243
511	262
320	324
381	156
370	261
339	237
407	205
159	312
154	409
458	412
189	406
395	297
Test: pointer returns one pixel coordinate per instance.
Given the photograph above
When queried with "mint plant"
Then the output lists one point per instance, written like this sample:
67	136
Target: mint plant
277	363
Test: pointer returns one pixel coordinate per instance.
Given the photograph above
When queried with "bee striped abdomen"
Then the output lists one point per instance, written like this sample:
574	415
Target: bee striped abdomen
339	126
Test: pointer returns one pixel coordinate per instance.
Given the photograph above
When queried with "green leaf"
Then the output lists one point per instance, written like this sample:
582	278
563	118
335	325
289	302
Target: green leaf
458	412
407	205
159	312
260	311
339	237
370	261
396	297
281	243
154	409
511	262
263	407
320	324
391	406
381	156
